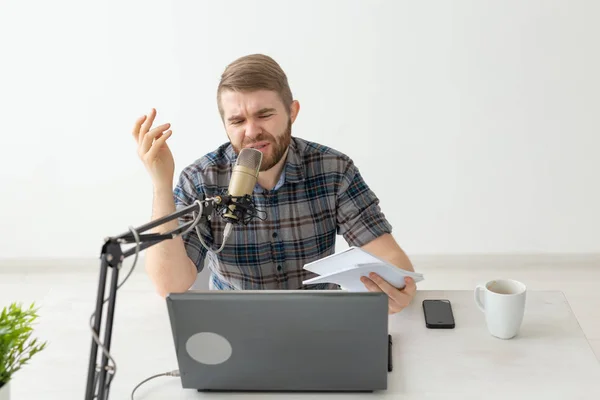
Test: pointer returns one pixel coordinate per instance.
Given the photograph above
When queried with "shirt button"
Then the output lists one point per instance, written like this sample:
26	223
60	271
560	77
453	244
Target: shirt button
279	268
274	234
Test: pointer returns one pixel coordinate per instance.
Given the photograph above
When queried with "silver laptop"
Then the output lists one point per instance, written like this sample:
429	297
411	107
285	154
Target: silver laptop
280	340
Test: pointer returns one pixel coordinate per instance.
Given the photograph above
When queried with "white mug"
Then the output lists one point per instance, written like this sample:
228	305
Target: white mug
503	305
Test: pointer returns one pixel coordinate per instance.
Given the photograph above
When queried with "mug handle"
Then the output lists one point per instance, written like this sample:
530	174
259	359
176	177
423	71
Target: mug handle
478	290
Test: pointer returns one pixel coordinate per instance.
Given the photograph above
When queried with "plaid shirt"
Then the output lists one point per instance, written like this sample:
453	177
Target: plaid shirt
321	194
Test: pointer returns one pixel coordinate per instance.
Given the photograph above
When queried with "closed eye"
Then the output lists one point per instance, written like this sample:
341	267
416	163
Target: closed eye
266	116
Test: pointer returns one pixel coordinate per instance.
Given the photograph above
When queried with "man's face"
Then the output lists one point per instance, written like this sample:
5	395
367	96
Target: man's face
259	120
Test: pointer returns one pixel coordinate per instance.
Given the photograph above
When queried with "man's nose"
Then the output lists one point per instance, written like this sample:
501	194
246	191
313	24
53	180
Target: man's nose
253	130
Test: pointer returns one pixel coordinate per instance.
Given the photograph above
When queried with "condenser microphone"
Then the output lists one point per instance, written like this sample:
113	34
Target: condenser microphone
243	179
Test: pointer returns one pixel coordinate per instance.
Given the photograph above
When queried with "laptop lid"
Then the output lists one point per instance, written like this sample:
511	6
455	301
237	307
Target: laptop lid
281	340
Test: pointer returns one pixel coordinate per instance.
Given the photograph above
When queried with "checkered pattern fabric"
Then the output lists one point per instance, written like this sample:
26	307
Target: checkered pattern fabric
322	195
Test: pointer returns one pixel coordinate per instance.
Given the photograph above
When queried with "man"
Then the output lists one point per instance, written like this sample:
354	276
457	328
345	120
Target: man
310	194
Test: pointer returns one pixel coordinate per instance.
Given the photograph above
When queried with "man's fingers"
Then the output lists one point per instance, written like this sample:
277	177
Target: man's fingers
397	299
384	285
411	287
158	143
394	307
370	285
391	306
148	123
401	298
136	128
151	136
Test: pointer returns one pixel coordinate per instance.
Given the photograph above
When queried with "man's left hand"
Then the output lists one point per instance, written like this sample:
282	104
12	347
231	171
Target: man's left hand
398	299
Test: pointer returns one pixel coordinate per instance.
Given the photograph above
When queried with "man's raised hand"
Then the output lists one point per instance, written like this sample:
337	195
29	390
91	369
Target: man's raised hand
153	149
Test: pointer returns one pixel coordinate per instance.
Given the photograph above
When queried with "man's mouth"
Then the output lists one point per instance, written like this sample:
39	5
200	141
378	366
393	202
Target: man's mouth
259	146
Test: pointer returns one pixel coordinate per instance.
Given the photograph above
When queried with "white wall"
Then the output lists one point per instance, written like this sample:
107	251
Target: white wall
475	122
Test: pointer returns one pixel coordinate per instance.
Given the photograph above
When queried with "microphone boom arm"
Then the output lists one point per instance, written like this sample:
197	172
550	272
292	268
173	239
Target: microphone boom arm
153	238
99	377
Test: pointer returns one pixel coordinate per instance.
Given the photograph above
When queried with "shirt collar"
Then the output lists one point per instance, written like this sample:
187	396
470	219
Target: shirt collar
294	167
280	182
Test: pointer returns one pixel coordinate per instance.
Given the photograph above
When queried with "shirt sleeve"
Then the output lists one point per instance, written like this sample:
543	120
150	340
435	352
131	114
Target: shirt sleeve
185	193
359	217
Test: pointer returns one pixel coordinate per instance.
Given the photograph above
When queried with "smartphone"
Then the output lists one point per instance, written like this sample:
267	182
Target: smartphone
438	314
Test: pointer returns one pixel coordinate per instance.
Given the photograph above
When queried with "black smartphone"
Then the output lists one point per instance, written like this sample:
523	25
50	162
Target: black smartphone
438	314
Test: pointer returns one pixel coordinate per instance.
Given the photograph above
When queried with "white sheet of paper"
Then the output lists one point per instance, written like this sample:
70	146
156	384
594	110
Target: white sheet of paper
343	260
349	279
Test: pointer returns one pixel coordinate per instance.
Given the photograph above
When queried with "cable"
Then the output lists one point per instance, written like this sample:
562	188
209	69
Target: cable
226	232
194	225
170	373
136	235
196	219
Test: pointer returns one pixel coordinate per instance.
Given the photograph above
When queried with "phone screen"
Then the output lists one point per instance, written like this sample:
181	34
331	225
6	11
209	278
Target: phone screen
438	314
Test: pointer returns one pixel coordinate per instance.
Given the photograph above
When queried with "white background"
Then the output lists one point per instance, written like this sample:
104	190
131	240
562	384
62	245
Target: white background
476	123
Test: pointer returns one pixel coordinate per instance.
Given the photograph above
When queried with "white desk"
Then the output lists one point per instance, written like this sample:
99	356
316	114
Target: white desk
550	359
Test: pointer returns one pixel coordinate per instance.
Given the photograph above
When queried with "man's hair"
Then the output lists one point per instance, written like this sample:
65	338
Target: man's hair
255	72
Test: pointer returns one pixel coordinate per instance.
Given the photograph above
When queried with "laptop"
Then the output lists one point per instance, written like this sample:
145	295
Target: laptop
279	340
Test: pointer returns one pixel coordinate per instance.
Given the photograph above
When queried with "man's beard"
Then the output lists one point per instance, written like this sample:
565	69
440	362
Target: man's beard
278	147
